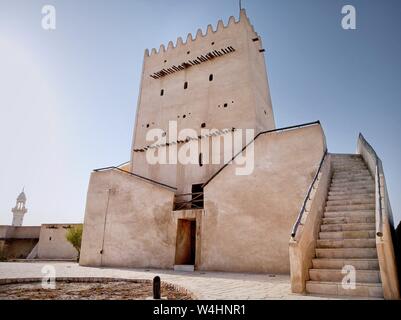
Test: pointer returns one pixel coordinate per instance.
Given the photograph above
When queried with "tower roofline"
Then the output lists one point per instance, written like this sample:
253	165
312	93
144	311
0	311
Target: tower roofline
199	34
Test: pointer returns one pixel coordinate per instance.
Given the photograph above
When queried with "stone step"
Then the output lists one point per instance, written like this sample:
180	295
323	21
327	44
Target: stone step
351	193
349	164
351	177
364	189
347	235
351	207
353	253
350	173
351	197
347	175
184	268
331	275
340	156
353	184
346	243
351	190
348	227
348	160
350	170
350	214
359	264
343	202
348	179
359	183
346	183
363	290
365	173
352	220
346	157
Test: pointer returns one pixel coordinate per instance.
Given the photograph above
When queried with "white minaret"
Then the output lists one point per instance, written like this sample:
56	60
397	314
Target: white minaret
19	210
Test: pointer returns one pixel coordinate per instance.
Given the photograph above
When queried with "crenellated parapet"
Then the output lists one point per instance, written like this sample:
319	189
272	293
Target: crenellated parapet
200	35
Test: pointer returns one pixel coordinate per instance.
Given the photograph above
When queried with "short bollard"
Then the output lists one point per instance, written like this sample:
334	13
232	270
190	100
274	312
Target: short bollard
156	288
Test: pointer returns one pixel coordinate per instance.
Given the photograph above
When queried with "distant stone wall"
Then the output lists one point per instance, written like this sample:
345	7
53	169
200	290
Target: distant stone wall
10	232
16	248
53	243
17	242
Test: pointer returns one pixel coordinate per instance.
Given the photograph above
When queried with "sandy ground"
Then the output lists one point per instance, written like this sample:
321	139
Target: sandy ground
86	291
203	285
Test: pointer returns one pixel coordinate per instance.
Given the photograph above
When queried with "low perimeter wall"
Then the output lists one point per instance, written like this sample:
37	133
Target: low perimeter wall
53	243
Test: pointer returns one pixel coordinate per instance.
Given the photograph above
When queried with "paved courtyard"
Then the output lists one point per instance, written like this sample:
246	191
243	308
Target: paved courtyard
204	285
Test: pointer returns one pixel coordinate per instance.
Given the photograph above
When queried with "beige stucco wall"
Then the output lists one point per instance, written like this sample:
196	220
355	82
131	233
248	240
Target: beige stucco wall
248	219
130	221
53	243
10	232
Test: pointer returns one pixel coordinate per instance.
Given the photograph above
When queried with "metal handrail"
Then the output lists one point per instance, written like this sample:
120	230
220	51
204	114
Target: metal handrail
187	194
307	198
134	175
379	232
198	198
253	140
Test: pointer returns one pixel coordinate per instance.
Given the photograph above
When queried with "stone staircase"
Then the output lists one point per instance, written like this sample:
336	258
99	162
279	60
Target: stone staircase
347	234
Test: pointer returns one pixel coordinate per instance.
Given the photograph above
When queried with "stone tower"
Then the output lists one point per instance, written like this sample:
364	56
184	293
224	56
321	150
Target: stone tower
216	80
19	210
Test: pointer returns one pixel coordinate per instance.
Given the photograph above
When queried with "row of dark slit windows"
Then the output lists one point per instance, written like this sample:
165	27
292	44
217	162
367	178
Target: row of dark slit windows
203	125
186	85
188	52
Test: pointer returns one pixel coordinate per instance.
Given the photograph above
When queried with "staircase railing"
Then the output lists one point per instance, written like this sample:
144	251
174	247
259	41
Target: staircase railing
134	175
196	201
307	198
385	237
378	185
379	227
253	141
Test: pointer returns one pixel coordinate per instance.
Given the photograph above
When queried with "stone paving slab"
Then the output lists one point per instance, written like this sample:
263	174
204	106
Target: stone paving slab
204	285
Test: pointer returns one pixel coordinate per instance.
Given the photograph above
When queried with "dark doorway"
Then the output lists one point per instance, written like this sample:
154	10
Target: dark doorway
185	252
197	196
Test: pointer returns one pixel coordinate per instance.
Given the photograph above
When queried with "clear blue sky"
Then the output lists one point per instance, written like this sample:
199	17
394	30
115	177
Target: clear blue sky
68	97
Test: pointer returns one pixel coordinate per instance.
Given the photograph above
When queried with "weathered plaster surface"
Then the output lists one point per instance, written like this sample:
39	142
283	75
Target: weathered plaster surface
248	219
129	220
53	243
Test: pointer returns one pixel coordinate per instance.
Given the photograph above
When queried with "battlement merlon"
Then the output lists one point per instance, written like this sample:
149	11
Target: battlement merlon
243	19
